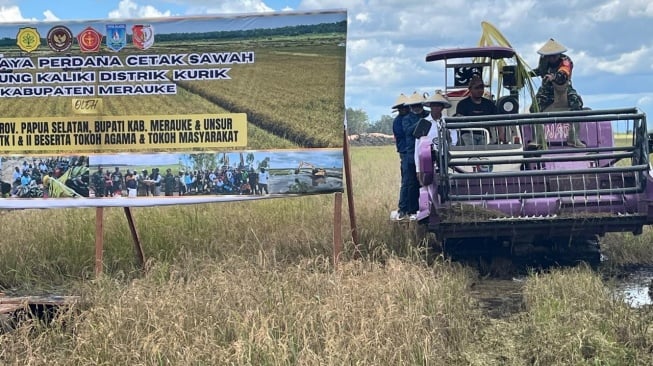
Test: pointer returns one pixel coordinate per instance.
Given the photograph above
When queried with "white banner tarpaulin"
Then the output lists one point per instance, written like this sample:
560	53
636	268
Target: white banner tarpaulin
171	111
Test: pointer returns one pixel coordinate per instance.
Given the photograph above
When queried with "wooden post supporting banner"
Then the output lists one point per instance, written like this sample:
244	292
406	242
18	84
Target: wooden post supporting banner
350	194
337	229
138	249
99	240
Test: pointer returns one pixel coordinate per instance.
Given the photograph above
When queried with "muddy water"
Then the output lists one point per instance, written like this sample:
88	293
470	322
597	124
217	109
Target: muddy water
501	298
635	286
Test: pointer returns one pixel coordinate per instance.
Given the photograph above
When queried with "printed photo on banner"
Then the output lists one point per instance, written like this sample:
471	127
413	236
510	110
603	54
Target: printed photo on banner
254	173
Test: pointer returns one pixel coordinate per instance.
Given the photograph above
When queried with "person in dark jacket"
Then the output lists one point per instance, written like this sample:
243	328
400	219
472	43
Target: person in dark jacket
410	184
477	105
400	142
169	183
99	185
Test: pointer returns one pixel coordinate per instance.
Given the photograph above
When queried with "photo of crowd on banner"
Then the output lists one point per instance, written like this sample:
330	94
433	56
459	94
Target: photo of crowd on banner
168	175
153	182
72	178
44	177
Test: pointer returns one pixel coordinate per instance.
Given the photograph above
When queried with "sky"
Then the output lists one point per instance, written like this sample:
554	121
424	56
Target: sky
608	40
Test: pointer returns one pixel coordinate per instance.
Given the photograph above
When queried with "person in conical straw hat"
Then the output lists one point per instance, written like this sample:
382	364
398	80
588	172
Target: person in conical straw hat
400	102
400	141
409	182
428	129
555	68
552	47
438	99
437	103
397	129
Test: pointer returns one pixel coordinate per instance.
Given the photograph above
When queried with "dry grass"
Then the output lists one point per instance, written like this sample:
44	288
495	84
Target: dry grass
233	312
251	283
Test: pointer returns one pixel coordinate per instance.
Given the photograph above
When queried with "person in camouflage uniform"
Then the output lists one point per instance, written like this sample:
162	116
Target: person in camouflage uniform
99	184
556	67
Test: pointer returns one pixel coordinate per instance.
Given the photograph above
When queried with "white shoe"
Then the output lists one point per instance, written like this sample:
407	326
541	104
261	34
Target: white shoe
394	215
402	217
412	217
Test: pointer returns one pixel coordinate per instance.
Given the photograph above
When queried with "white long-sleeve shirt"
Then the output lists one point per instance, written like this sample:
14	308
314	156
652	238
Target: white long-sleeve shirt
434	132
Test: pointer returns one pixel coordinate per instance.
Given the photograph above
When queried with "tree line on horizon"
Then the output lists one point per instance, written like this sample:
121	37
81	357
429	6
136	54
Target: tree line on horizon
359	122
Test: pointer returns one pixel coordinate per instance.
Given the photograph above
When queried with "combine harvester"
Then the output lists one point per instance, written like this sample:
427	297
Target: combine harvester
537	199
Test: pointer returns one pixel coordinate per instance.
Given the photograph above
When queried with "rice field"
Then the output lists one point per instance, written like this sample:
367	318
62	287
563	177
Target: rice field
253	283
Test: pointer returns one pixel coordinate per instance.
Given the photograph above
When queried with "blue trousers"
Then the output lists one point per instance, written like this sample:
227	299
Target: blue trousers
409	194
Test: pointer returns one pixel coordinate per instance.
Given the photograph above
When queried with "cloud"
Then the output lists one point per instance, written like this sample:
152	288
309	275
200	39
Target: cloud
225	7
362	17
383	71
11	13
253	6
645	100
130	9
615	9
48	15
339	4
626	62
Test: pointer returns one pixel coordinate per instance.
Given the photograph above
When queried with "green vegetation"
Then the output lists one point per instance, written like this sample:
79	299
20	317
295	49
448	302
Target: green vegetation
252	283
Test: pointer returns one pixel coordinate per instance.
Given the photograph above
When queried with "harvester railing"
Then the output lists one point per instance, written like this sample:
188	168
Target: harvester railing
546	171
544	115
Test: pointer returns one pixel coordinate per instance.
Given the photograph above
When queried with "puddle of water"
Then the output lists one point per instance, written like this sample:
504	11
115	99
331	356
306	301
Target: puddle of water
635	286
501	298
635	296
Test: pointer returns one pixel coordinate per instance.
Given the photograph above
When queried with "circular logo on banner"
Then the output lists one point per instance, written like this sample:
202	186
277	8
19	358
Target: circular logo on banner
60	38
89	40
28	39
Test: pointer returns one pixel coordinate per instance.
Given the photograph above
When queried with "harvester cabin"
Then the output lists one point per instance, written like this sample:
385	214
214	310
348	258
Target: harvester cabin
488	63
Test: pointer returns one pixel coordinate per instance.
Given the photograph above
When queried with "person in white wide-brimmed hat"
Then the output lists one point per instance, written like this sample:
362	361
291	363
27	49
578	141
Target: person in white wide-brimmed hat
555	69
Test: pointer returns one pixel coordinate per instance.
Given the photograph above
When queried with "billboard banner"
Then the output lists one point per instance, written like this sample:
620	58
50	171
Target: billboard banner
171	110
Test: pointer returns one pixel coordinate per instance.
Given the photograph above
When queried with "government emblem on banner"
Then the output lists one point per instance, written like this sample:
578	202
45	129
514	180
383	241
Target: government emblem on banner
116	36
28	39
59	38
89	40
143	36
